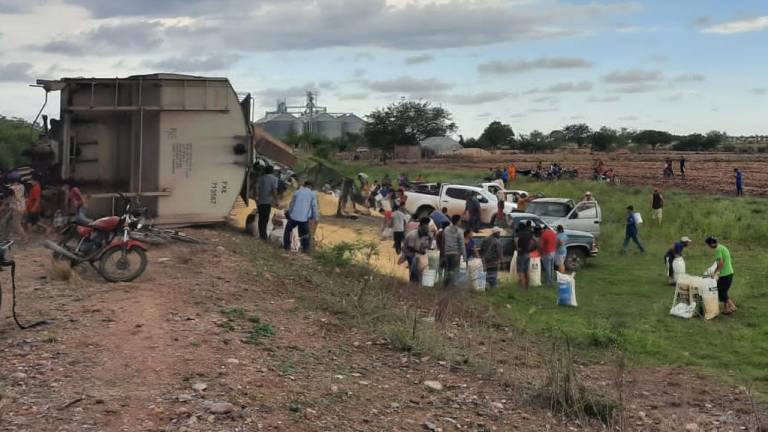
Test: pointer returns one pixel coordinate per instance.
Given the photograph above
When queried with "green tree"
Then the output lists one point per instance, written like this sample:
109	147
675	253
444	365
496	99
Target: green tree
578	133
692	142
714	139
535	142
407	123
653	138
471	143
497	135
16	135
557	138
625	137
603	139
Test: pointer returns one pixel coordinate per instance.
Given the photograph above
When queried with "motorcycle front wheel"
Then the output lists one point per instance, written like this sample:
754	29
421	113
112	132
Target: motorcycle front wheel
118	265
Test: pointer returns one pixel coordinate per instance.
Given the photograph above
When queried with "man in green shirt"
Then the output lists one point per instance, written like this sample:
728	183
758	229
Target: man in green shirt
724	273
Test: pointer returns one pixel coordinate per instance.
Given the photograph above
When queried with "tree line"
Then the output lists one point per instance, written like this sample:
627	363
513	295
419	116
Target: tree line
410	122
499	135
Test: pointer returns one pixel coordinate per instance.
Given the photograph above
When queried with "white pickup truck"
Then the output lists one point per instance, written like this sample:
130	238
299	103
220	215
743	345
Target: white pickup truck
512	194
427	198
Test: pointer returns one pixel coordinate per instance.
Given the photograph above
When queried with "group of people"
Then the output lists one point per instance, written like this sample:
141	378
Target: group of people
22	209
669	172
723	269
453	239
503	175
550	246
600	172
302	212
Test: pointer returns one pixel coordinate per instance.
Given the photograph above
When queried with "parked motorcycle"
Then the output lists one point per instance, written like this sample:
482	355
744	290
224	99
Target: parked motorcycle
105	244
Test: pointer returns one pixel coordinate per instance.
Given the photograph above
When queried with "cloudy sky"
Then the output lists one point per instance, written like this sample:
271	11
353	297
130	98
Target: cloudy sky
684	65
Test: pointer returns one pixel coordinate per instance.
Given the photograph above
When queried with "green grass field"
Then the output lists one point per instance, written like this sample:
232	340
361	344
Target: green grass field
624	300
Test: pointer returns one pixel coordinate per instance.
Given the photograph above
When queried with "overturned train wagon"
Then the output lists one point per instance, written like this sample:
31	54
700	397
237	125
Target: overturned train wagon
181	144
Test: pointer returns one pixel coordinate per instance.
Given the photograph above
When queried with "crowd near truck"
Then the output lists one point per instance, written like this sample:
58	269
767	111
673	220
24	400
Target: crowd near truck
580	245
425	199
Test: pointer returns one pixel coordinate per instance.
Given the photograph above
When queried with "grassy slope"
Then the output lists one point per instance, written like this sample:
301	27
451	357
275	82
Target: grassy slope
624	300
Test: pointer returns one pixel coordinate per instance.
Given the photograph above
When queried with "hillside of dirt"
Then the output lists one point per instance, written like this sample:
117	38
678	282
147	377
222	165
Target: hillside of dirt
237	335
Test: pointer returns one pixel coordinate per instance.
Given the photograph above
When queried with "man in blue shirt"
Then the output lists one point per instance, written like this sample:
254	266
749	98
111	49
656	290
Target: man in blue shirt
631	231
739	182
675	251
302	211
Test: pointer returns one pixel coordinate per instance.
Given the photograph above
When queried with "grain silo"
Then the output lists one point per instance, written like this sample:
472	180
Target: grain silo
351	124
309	118
280	125
326	125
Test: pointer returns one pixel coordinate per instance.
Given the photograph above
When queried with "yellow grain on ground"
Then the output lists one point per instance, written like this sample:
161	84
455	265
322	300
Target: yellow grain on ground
332	230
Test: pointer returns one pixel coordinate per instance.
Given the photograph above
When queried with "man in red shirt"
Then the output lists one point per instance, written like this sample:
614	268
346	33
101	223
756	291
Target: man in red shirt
34	208
548	247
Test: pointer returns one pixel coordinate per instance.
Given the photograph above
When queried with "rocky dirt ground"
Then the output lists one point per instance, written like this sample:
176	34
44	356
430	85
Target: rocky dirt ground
705	172
236	335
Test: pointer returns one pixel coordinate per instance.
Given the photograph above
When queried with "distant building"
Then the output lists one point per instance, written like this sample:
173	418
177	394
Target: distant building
309	118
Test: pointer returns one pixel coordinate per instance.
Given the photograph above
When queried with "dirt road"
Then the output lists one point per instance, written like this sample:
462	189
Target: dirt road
187	347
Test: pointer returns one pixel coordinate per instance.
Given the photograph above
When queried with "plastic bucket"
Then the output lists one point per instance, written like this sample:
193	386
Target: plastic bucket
428	278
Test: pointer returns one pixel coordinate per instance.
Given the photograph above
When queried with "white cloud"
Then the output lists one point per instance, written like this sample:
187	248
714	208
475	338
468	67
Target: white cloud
476	98
419	59
635	88
741	26
690	77
565	87
633	76
352	96
604	99
515	66
760	91
16	72
133	36
409	85
215	62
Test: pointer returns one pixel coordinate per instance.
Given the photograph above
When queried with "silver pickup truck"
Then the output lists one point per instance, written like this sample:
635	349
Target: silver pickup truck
584	216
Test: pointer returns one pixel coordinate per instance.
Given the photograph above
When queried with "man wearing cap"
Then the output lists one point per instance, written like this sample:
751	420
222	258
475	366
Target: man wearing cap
631	231
674	252
588	196
723	273
657	206
491	254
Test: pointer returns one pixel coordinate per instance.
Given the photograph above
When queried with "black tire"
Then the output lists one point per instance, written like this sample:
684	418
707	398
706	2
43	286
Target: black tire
575	259
112	277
